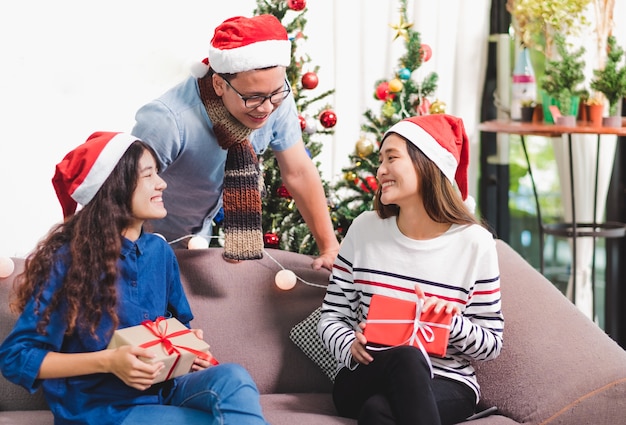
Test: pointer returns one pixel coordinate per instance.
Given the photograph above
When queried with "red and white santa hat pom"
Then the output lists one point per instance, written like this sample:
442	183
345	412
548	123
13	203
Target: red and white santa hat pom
200	69
443	140
242	44
83	171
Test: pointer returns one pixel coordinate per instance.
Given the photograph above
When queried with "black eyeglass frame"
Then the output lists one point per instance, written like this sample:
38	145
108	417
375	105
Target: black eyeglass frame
259	98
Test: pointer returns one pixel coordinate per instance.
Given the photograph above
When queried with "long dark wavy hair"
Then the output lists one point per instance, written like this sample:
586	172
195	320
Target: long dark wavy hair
442	201
94	238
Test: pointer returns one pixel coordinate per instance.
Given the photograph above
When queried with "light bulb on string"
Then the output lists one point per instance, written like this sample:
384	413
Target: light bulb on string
197	242
7	266
286	279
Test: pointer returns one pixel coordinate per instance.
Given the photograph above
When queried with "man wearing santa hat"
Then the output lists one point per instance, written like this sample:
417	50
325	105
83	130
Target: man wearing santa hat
209	129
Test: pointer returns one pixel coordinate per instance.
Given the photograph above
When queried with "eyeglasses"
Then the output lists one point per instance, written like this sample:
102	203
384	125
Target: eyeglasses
252	102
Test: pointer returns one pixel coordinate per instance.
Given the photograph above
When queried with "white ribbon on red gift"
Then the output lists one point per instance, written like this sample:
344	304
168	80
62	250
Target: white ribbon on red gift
169	347
425	328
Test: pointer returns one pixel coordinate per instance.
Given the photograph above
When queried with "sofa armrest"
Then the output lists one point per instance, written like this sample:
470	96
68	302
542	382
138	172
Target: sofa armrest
556	365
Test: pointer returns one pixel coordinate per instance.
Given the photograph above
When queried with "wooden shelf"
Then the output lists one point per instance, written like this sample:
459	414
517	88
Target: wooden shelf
573	229
548	130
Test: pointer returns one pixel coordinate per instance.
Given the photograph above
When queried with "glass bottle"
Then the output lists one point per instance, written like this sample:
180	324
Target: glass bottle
524	88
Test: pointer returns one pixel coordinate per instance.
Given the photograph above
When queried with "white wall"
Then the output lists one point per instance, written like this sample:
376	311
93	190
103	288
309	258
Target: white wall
72	67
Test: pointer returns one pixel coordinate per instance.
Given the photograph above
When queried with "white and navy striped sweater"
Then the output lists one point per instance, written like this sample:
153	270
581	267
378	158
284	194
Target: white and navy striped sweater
460	266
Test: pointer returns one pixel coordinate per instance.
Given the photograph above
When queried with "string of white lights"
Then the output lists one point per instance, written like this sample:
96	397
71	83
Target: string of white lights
285	279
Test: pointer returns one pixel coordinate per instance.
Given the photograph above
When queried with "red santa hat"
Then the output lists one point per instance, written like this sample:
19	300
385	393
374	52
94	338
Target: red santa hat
443	140
242	44
81	173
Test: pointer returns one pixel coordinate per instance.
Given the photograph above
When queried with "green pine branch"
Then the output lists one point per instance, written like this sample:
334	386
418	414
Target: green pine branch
354	193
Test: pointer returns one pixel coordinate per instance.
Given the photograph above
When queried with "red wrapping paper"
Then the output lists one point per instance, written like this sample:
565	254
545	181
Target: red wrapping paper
391	322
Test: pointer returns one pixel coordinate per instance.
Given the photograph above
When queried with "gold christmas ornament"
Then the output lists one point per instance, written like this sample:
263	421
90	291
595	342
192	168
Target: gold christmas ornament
437	107
364	147
349	176
395	85
402	28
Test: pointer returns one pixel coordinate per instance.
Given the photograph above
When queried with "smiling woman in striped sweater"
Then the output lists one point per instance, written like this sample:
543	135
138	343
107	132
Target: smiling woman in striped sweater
423	238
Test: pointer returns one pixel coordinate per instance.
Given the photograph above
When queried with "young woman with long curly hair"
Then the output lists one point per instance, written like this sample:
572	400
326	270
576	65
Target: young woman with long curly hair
96	272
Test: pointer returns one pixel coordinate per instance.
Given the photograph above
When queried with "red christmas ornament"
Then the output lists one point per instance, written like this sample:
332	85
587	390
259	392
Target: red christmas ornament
371	182
382	91
302	122
328	118
426	52
271	240
283	192
296	5
309	80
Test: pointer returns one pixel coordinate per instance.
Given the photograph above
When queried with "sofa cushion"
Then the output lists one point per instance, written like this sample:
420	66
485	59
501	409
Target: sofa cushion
305	336
301	409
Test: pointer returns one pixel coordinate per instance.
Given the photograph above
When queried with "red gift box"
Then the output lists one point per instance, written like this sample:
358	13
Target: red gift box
391	323
171	341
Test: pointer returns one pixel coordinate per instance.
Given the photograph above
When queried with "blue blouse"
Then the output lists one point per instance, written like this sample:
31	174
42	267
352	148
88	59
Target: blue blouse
149	286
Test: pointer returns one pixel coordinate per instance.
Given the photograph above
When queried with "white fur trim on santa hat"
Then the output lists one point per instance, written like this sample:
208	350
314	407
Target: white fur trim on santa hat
102	168
199	69
262	54
442	157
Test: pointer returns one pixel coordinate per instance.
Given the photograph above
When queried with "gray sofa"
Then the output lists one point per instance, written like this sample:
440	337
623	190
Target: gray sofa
556	367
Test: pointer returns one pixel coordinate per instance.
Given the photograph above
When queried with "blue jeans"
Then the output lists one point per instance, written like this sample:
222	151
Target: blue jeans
220	395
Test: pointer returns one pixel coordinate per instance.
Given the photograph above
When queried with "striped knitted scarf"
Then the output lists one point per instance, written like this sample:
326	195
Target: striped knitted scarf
243	235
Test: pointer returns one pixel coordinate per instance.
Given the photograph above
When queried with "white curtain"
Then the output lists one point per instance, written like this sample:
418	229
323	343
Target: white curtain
584	165
584	160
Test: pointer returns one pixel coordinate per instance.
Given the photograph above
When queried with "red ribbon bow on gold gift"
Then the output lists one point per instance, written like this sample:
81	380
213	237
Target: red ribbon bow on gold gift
168	346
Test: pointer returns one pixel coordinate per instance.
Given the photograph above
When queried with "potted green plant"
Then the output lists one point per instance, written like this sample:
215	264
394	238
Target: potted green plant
595	109
611	81
562	80
528	109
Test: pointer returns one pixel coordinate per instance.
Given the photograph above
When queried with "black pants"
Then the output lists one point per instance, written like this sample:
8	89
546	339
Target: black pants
396	389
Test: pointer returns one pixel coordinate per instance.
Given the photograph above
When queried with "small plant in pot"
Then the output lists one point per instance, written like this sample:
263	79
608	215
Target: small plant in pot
595	108
528	109
611	81
562	80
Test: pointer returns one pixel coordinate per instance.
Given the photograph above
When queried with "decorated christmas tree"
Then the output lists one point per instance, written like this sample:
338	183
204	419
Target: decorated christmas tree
283	226
407	92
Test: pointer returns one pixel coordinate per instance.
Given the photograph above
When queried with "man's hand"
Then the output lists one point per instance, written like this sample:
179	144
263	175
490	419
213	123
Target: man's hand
325	260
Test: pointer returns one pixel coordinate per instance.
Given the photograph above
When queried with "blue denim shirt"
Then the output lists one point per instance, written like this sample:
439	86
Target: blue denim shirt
192	163
149	286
